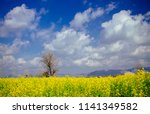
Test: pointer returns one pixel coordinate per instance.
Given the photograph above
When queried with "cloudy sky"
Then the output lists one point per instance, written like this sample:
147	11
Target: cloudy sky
84	35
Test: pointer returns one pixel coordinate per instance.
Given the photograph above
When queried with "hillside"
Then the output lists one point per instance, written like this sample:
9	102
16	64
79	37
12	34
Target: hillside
114	72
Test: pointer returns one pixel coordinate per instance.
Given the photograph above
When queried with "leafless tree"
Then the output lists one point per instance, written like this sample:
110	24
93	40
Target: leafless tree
138	66
50	62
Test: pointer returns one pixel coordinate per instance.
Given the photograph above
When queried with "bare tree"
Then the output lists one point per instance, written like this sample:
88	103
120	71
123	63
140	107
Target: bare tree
138	66
50	62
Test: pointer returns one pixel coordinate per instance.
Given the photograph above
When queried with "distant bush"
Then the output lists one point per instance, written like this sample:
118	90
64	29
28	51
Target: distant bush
45	74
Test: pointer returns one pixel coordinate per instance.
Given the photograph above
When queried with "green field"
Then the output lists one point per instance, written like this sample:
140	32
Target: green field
127	85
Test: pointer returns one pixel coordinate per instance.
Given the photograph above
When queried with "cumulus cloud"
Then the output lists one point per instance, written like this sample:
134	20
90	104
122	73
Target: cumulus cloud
75	48
22	22
68	45
131	30
36	61
110	7
20	17
124	42
21	61
9	66
44	34
35	66
20	26
12	66
82	18
68	41
18	20
6	49
124	26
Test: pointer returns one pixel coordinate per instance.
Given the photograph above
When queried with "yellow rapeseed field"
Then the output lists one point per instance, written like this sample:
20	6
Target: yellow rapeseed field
127	85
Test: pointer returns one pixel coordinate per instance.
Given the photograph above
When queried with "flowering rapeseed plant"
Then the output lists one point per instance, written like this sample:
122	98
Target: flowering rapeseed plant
127	85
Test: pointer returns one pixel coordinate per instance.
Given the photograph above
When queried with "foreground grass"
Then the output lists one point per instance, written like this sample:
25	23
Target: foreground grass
123	85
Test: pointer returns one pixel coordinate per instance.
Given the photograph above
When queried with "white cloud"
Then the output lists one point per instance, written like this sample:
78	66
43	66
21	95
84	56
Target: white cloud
97	13
124	42
90	61
147	16
44	34
143	51
17	20
21	61
20	17
110	7
69	41
126	27
70	45
132	34
81	18
6	49
36	61
12	66
116	47
8	65
20	24
8	59
35	66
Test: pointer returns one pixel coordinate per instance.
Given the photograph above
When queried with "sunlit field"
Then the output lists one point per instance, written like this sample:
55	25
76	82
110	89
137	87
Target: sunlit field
128	85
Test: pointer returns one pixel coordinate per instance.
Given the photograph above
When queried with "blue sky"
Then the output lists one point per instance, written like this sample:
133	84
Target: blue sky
84	35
